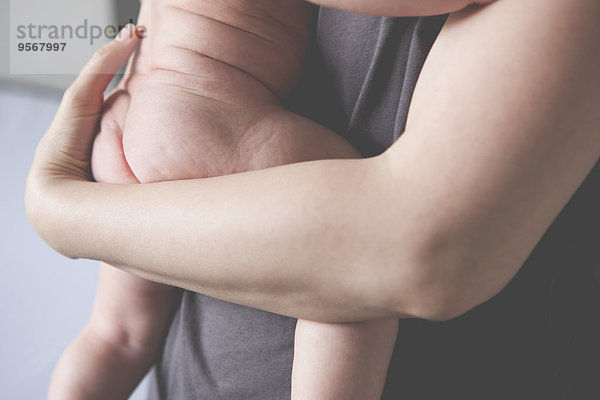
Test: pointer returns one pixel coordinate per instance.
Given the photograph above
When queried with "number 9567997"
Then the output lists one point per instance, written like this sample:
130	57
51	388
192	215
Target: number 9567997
41	46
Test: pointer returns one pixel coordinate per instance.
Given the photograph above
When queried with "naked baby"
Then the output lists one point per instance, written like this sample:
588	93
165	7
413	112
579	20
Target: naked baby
202	97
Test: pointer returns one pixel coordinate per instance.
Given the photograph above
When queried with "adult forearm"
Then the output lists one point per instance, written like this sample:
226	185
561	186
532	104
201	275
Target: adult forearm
307	240
302	240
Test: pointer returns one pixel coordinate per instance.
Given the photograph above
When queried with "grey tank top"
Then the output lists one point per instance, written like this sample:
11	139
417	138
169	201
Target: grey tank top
538	339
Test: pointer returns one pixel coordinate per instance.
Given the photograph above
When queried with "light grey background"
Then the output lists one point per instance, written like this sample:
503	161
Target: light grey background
45	299
86	25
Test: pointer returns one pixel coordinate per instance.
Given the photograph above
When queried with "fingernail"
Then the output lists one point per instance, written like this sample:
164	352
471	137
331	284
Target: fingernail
126	33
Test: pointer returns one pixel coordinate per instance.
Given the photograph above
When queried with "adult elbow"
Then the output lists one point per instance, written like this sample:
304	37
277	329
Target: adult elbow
446	285
443	302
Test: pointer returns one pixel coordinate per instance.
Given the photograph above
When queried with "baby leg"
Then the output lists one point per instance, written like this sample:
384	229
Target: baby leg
345	361
130	317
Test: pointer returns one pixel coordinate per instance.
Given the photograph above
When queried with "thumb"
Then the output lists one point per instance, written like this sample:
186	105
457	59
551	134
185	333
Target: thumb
76	120
85	95
67	144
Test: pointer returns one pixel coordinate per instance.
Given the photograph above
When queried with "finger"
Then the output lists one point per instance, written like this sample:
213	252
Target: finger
76	122
99	71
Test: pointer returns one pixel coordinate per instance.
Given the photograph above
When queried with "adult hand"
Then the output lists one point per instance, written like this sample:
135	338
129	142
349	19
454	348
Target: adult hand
64	151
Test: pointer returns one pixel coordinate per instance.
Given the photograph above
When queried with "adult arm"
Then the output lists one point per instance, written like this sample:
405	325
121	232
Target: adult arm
400	8
502	130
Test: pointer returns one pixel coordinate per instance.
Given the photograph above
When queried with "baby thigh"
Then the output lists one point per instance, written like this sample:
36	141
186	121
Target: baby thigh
342	360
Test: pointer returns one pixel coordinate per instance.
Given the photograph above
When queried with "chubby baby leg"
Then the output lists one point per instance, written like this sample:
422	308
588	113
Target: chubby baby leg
343	361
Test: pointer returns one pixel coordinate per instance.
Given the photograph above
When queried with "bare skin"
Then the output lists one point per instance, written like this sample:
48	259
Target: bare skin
195	108
190	108
581	145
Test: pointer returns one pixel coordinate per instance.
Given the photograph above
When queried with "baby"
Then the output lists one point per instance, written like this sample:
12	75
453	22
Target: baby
202	97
